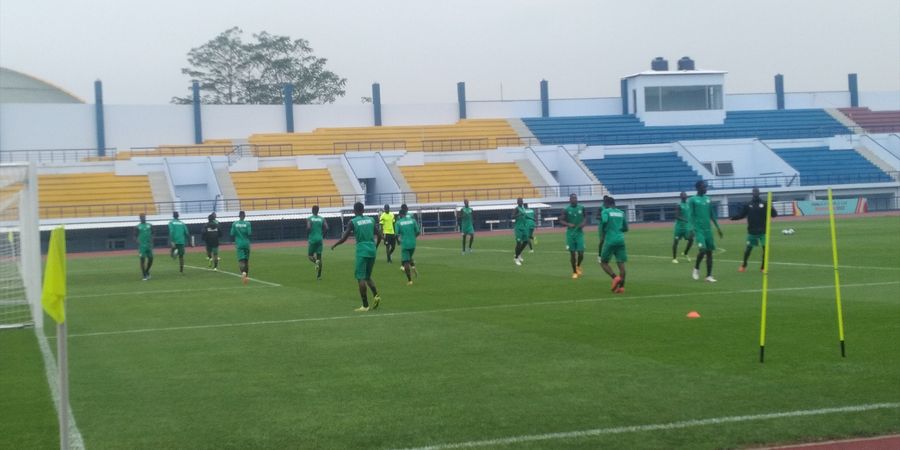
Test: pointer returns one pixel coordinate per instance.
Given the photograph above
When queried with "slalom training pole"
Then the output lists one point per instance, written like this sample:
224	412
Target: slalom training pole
765	283
837	278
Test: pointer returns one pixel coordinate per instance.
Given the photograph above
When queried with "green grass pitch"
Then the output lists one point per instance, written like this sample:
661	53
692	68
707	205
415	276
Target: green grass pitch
477	349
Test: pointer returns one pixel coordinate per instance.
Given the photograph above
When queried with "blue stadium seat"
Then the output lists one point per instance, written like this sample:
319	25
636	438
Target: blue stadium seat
643	172
627	129
821	166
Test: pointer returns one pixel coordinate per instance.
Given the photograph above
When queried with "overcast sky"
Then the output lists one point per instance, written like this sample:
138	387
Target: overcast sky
419	49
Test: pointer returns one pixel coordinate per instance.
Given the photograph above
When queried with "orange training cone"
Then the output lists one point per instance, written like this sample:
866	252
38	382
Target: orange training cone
693	315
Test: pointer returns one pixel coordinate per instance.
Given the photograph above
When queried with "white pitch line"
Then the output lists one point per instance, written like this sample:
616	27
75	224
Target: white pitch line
468	308
75	440
160	291
781	263
232	274
660	426
829	266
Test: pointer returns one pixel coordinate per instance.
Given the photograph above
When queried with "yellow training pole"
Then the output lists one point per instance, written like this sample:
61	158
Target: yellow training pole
767	247
837	278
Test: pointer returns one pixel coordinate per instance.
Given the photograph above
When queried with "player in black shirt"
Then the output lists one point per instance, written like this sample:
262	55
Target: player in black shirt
755	212
211	235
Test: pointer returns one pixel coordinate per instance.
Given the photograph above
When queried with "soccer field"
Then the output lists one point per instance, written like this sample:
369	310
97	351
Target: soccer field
478	352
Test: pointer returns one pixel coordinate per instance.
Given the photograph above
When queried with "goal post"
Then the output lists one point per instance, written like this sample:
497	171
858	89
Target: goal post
20	247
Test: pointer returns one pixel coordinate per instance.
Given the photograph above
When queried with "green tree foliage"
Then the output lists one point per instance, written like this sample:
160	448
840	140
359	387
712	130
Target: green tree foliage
231	71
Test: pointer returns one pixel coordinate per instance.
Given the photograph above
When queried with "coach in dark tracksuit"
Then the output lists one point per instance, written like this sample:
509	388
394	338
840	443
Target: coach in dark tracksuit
211	235
755	212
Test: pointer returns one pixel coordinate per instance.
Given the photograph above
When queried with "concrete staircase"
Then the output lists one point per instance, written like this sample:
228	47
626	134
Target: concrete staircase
875	160
522	130
223	177
844	120
399	178
159	187
347	186
534	176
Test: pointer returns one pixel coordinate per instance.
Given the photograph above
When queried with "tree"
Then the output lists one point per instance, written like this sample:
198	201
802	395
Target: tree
231	71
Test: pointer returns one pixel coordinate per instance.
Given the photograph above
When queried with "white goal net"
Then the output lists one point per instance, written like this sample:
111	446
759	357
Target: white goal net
20	257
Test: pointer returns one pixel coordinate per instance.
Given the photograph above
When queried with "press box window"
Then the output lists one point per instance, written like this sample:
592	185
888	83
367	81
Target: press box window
682	98
720	168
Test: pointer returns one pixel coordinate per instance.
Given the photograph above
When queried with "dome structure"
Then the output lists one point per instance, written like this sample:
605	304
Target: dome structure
18	87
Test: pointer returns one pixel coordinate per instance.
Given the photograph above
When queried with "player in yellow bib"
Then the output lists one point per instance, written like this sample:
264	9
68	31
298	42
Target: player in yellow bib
386	220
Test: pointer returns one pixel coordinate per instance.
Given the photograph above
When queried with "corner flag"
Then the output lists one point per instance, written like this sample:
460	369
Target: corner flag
54	294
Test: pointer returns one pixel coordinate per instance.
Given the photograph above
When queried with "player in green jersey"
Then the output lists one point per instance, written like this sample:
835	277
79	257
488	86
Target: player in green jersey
529	225
613	223
683	228
702	212
600	230
407	231
212	234
143	234
386	219
316	227
573	219
178	236
368	237
521	230
240	232
466	226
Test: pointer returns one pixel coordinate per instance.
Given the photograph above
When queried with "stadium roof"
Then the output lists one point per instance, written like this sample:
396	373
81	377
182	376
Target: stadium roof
17	87
676	72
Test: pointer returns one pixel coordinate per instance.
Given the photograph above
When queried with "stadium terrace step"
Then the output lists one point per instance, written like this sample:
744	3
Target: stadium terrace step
475	180
627	129
283	186
65	195
629	174
820	165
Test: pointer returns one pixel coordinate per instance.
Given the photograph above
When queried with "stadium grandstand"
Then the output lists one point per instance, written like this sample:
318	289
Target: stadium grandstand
667	130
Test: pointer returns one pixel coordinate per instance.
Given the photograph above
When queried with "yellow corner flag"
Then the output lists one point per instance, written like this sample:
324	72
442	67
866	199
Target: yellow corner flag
54	295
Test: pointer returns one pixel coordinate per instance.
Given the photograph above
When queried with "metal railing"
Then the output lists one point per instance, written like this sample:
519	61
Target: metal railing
449	145
266	150
64	155
646	135
443	196
183	150
357	146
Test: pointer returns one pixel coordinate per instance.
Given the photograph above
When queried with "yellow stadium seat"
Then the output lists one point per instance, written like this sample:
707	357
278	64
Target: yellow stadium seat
472	134
94	195
285	188
474	180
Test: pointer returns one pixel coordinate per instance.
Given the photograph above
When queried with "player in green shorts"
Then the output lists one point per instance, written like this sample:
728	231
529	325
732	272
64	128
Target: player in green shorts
368	237
702	212
466	226
755	212
240	232
613	224
212	234
316	227
573	219
521	230
683	228
529	224
143	234
178	235
600	231
407	230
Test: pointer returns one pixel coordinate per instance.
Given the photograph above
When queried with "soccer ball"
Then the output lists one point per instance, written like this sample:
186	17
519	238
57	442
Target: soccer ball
787	231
